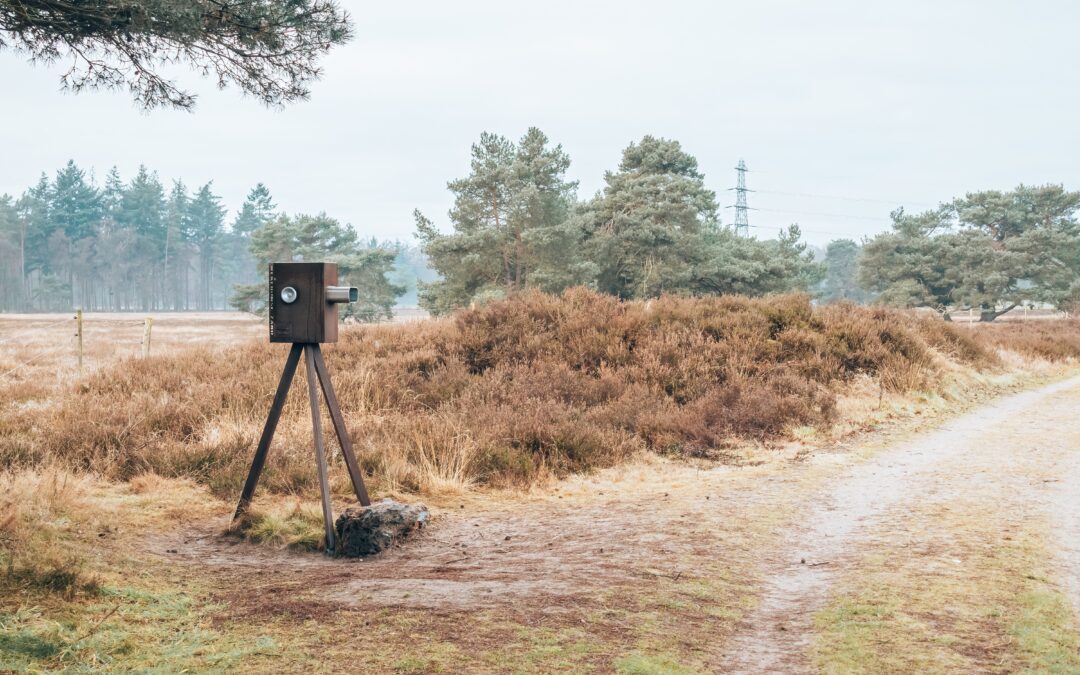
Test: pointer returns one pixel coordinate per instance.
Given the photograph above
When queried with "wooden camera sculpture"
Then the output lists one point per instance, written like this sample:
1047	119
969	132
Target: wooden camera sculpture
304	299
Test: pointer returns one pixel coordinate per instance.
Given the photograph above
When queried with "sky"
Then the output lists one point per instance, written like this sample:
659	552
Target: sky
842	110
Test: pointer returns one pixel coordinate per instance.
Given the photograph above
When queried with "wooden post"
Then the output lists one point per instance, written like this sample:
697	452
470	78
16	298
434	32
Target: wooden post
320	453
146	336
78	334
268	430
339	426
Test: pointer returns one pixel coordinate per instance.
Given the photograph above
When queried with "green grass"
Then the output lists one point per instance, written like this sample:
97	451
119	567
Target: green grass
994	610
124	629
1041	628
652	664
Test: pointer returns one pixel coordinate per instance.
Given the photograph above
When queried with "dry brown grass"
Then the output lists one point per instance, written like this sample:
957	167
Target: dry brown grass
40	513
507	394
1049	340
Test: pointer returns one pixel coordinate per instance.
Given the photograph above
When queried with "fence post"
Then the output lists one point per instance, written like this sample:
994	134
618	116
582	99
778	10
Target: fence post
146	336
78	334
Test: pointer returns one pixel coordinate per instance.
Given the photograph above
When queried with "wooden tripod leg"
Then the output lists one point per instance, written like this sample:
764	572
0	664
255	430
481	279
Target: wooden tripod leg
339	428
320	453
268	430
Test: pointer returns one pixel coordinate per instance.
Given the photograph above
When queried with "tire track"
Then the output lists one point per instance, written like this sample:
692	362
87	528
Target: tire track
972	455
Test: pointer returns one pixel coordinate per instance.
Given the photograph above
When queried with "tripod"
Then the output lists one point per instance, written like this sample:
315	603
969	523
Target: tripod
316	369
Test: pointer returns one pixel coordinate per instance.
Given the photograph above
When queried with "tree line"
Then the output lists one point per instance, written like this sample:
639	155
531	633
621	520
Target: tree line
517	223
137	245
123	245
990	251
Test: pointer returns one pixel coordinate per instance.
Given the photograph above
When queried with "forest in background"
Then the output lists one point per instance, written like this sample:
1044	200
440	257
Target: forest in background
518	224
140	245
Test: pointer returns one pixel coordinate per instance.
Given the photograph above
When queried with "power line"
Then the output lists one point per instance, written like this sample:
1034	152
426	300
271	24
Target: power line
803	229
828	215
870	200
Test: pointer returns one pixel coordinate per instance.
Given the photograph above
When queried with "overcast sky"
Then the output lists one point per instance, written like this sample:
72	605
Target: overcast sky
842	110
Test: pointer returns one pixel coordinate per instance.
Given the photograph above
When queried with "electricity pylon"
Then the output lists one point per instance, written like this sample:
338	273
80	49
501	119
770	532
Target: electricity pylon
742	211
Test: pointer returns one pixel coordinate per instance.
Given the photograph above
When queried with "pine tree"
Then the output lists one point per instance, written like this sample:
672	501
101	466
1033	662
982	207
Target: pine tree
142	212
841	272
268	49
175	255
112	193
510	225
204	227
728	263
323	239
12	255
75	204
75	210
142	207
988	250
645	231
33	209
256	211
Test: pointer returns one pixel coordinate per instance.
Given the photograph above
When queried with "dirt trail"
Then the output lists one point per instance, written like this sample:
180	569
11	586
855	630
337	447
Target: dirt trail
1066	517
636	531
1017	453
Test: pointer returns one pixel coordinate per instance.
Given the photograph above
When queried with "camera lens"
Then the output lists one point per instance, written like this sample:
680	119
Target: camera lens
288	295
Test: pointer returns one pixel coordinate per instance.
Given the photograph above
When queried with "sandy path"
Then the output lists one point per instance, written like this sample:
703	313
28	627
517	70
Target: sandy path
1016	453
640	531
1065	512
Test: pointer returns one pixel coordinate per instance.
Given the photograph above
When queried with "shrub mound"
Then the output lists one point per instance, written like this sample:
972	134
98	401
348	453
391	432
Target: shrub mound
503	394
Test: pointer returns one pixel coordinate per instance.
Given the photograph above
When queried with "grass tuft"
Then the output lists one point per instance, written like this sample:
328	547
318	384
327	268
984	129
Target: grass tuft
299	527
42	516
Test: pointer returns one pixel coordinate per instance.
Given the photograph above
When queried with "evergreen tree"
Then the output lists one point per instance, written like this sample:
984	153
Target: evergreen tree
112	193
270	49
142	212
257	210
203	228
323	239
122	246
142	207
76	206
177	219
33	209
988	250
12	255
510	229
841	272
646	231
733	264
75	210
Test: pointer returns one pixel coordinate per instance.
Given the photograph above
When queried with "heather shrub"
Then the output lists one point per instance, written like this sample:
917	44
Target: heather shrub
1050	340
503	394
